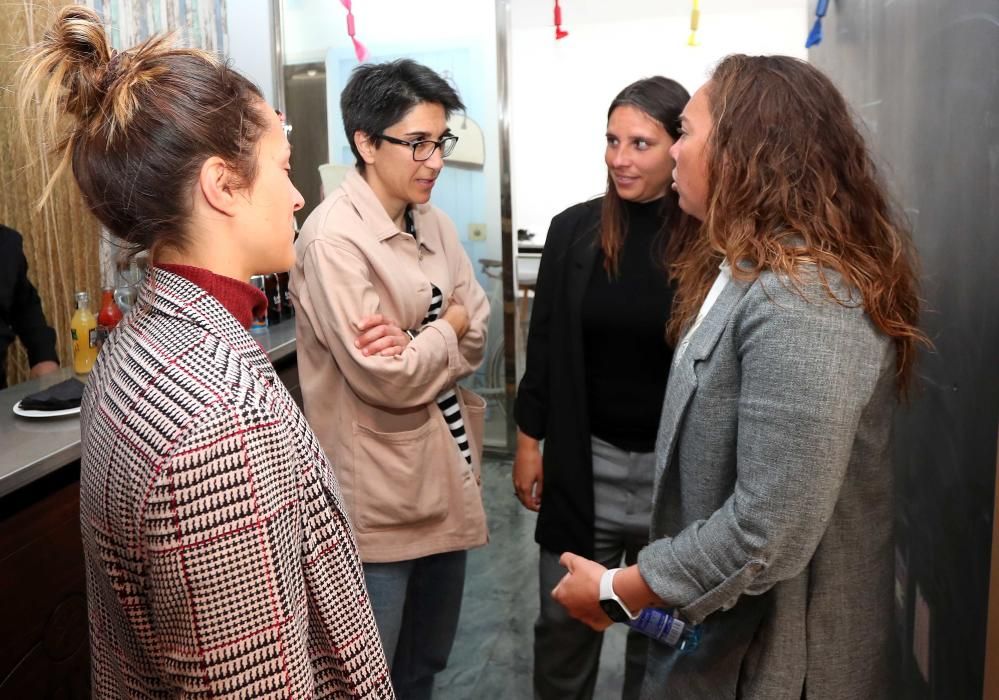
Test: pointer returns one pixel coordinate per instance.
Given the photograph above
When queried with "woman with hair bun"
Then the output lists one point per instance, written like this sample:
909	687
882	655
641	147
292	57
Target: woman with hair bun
797	328
220	562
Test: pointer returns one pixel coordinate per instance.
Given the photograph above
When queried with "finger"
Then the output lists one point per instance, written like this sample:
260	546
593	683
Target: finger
538	487
392	351
368	338
557	591
382	343
370	335
518	491
370	322
568	560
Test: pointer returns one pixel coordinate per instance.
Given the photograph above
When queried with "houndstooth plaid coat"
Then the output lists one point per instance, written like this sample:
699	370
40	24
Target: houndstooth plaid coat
219	559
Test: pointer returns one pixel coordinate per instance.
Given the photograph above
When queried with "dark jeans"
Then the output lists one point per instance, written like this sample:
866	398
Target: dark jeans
416	605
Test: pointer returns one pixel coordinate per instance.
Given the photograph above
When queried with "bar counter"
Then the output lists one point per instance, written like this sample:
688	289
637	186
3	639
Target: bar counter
30	448
43	649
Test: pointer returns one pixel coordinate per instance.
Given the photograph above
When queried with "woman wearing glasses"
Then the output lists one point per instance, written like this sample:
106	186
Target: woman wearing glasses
390	317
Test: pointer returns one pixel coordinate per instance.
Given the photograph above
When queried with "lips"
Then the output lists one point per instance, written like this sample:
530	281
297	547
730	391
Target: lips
625	180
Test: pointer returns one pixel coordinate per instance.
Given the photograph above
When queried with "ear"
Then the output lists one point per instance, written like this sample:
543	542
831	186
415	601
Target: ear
365	147
215	180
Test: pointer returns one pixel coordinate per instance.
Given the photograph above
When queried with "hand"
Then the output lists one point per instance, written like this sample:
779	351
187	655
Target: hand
579	591
380	335
457	315
528	474
42	368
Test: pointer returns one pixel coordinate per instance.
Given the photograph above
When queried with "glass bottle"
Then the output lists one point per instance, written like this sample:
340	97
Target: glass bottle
83	327
107	317
287	309
273	291
259	323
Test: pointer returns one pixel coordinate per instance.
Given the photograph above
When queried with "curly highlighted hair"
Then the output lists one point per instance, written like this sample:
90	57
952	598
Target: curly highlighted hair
791	183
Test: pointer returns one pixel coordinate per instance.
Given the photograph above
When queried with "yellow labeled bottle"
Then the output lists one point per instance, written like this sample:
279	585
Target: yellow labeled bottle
84	330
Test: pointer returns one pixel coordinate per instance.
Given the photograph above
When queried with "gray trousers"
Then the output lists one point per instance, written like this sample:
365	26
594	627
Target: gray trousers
566	651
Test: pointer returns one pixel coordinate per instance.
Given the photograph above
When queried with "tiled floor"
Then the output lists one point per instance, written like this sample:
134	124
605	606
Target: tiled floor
492	655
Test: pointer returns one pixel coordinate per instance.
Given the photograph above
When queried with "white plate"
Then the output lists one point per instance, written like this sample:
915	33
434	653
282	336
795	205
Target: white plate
61	413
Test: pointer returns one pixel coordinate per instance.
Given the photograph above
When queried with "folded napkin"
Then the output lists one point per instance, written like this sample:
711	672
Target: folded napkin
57	397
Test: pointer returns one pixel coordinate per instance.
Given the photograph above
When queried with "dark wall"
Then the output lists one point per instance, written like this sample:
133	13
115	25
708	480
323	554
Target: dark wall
923	75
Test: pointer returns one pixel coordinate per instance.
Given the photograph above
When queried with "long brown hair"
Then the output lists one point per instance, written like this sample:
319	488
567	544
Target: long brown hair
791	183
136	126
662	99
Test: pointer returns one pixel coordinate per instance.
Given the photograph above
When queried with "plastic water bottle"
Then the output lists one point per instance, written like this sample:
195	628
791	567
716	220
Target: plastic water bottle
667	629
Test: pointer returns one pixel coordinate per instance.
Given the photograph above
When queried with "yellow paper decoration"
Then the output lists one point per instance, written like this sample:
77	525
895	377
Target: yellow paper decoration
695	17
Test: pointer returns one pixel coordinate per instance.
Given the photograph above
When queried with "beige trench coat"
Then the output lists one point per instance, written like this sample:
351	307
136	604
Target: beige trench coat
408	490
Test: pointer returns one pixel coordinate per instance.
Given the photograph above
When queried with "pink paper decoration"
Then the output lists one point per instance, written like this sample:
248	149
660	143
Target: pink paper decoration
359	50
559	32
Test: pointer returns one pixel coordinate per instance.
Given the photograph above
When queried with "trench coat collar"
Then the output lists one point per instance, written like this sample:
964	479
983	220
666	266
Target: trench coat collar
373	214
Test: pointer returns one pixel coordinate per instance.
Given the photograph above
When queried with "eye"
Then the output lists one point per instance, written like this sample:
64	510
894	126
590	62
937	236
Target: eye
641	144
611	141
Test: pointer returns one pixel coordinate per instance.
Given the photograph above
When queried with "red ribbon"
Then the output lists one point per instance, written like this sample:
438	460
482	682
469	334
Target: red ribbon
359	50
559	32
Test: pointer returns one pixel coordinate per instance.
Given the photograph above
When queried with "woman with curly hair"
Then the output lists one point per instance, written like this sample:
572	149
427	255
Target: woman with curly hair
796	321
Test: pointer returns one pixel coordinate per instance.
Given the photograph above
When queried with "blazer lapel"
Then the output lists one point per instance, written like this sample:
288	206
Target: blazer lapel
683	378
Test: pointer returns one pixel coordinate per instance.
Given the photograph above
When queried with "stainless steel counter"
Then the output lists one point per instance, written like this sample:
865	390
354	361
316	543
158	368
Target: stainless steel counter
31	448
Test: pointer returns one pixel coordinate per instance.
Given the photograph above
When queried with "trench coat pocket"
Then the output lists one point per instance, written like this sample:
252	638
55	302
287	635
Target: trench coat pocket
475	423
400	477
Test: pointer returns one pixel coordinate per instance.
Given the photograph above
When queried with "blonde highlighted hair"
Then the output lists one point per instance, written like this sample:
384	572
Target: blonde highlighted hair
136	126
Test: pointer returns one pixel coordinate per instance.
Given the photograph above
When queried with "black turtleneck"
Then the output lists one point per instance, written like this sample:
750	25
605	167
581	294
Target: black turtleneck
624	334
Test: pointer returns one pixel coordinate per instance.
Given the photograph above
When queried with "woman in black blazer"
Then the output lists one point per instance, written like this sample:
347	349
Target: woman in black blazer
597	363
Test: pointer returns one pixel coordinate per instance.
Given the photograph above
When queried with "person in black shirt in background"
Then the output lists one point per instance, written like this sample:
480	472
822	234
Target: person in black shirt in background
597	364
21	314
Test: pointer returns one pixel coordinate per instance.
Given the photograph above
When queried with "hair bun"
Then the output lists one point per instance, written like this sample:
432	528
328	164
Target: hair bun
77	54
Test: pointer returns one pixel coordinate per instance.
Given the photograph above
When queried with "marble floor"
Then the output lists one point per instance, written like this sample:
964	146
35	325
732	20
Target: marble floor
492	655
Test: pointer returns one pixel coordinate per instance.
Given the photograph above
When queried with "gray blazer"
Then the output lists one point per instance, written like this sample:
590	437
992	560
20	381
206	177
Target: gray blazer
772	523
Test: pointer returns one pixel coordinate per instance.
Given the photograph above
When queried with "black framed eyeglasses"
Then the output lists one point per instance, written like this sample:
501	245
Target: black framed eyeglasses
423	150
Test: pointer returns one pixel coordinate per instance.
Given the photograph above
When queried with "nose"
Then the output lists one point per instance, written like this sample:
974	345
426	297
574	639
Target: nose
674	150
436	160
298	200
619	157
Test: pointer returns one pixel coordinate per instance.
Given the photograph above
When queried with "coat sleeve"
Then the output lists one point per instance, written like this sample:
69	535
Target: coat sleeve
531	407
222	530
342	293
27	318
469	293
808	370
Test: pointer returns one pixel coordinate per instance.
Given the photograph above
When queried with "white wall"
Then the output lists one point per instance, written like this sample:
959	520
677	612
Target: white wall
560	90
251	46
315	26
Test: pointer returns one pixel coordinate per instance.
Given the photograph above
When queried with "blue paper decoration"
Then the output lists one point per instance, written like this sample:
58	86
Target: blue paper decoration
815	36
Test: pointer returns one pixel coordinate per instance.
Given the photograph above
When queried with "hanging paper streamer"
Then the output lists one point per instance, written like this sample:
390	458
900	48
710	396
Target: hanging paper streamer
359	50
559	32
695	18
815	36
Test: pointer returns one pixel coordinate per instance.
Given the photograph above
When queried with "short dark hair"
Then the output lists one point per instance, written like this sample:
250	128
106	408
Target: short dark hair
380	94
143	122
